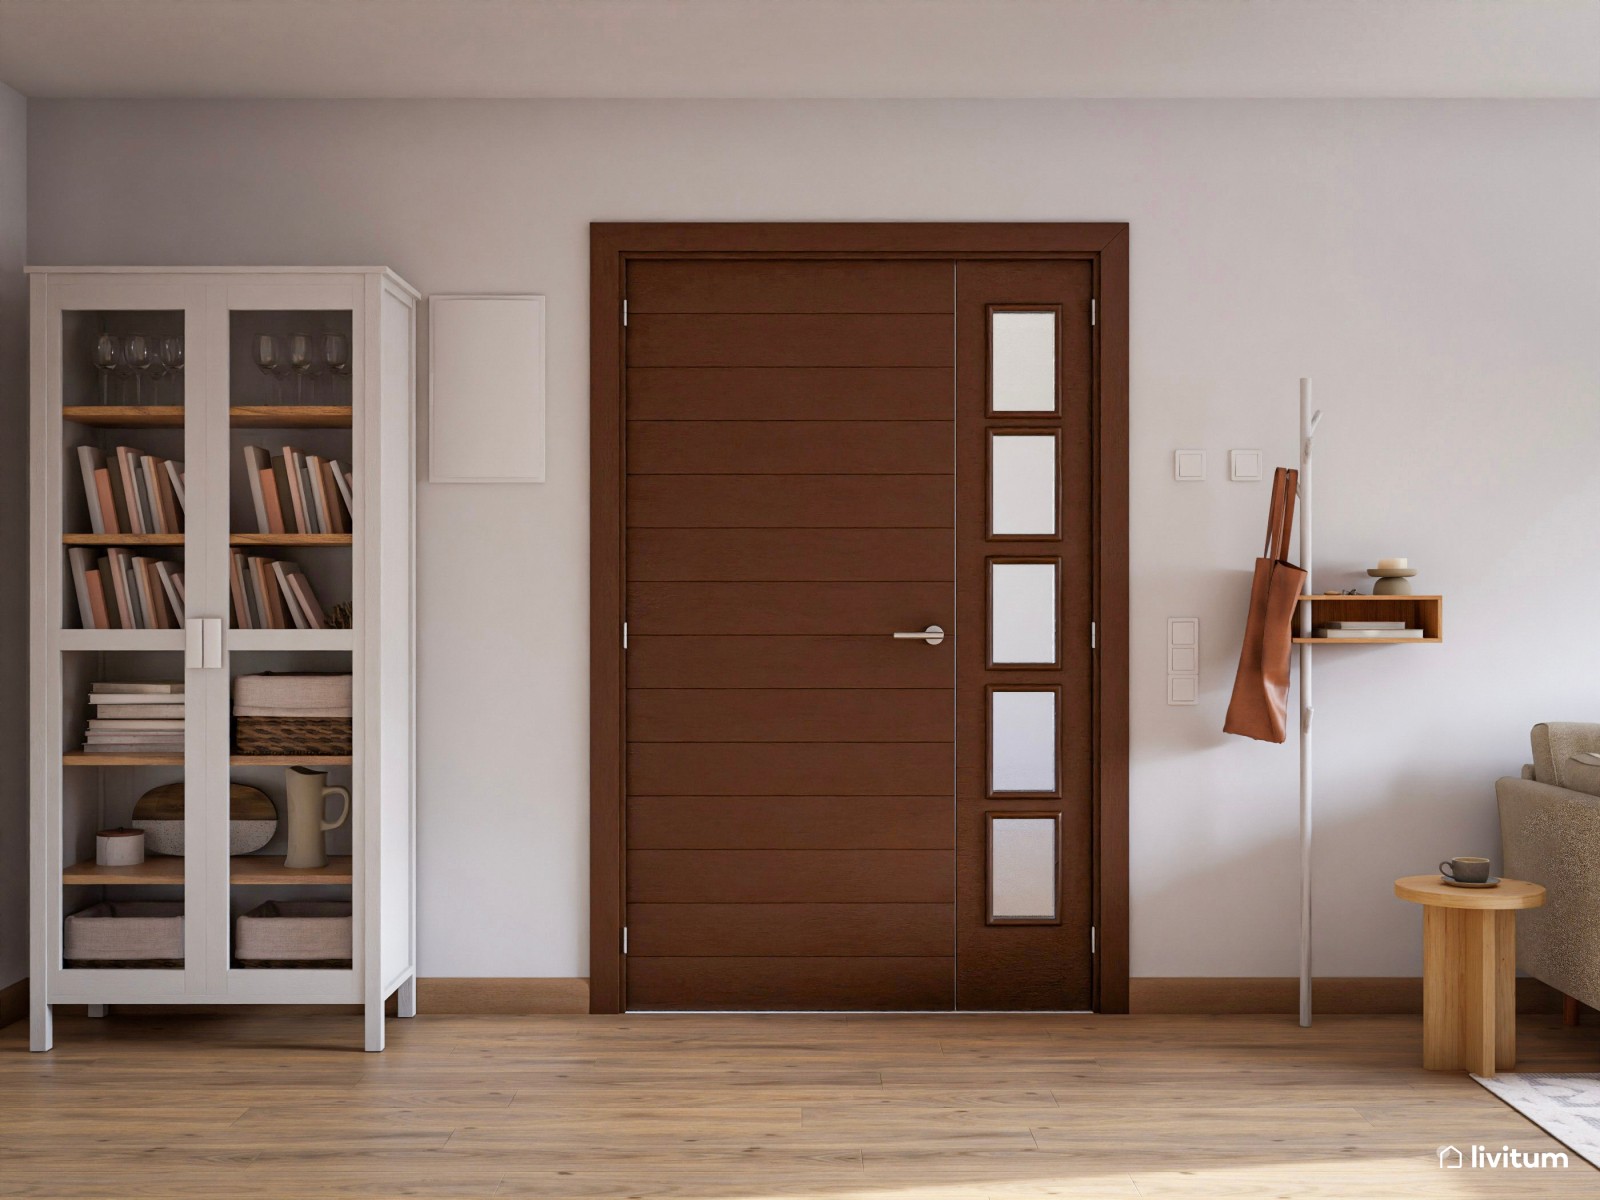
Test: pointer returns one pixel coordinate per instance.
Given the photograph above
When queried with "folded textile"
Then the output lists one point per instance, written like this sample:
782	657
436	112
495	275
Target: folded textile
337	713
292	695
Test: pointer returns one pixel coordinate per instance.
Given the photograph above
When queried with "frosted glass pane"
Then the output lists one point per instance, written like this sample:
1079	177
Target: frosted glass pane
1022	868
1022	613
1022	741
1022	482
1022	362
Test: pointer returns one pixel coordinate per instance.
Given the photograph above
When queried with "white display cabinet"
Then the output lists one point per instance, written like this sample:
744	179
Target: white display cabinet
358	412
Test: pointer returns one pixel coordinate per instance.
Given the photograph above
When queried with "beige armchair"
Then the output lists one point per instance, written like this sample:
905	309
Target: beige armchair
1550	834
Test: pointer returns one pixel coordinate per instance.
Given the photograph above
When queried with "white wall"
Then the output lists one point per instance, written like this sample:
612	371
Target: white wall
1435	266
13	537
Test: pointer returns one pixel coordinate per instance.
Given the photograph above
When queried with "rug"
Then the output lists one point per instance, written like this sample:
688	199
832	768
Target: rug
1567	1107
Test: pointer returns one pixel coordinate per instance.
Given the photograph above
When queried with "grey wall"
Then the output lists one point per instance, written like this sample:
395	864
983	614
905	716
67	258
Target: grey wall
13	538
1435	267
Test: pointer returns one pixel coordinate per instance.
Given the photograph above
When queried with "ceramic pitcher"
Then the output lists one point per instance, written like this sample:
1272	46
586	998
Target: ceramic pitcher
307	790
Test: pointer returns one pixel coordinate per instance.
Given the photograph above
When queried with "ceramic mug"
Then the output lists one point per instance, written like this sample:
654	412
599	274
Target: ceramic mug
1466	870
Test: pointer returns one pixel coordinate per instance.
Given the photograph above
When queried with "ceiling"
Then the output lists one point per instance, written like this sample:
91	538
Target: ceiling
292	49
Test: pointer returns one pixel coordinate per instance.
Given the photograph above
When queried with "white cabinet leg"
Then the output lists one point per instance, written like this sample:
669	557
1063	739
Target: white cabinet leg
41	1026
375	1025
407	998
99	1010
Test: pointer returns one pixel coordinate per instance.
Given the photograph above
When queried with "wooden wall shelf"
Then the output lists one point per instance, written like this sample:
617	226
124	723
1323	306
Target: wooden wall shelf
122	539
78	758
290	539
125	416
157	870
255	869
290	416
1418	612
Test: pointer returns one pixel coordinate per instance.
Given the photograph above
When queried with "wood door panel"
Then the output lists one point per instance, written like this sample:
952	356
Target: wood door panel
791	501
790	286
789	715
787	662
788	930
791	984
790	877
875	609
788	448
791	340
788	768
790	822
794	394
803	555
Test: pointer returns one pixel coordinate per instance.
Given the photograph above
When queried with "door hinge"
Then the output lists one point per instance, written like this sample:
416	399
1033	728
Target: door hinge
624	939
624	635
1094	636
1094	947
625	314
1094	312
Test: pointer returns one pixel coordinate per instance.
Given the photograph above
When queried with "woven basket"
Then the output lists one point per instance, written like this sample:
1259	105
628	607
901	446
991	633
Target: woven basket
293	735
126	934
295	934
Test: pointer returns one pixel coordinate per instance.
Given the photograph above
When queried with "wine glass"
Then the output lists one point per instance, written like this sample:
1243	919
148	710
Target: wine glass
172	360
139	352
108	361
336	353
303	358
269	357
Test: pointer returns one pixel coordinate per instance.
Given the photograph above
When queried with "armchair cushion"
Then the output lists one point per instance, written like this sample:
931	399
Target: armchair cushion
1554	744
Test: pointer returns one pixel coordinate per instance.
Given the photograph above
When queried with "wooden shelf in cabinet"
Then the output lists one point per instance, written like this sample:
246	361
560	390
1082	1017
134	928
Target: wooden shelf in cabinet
254	869
290	416
122	539
125	416
290	539
79	758
289	760
1418	612
159	869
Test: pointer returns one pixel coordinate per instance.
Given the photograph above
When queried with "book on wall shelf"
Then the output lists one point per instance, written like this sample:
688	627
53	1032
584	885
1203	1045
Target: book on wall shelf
132	492
135	718
1344	631
298	493
121	590
272	594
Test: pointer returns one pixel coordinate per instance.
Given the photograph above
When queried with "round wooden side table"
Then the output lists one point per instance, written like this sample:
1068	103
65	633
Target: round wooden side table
1469	971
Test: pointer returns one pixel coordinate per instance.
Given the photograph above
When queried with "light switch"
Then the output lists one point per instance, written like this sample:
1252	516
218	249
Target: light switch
1244	466
1189	466
1183	660
1183	631
1183	689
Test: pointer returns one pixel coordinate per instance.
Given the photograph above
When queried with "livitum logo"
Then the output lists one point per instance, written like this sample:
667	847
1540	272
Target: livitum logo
1481	1157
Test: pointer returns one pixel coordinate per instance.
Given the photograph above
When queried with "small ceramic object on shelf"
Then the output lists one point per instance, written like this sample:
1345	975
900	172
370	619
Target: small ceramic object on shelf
1391	574
306	791
119	847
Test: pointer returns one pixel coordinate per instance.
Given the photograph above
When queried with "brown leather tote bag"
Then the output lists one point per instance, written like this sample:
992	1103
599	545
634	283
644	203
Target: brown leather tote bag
1261	688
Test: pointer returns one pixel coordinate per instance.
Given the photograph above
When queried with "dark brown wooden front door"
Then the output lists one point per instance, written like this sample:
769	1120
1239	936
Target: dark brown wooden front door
798	457
790	505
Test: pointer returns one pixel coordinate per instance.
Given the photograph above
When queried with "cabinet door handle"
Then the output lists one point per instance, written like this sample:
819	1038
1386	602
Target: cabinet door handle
211	650
193	654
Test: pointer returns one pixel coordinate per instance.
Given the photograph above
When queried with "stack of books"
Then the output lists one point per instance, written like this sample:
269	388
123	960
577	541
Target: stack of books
299	493
135	718
132	492
268	594
123	590
1367	629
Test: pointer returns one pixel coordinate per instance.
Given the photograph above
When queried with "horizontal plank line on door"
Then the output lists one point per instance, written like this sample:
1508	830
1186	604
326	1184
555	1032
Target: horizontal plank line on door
785	312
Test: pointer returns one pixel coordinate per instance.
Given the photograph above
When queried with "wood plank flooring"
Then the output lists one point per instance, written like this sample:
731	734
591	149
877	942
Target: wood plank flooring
887	1107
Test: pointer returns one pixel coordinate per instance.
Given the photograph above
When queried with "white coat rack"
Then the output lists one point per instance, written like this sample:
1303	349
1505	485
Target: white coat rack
1308	429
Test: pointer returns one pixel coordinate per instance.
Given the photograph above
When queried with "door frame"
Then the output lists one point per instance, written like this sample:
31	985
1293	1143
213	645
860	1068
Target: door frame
611	246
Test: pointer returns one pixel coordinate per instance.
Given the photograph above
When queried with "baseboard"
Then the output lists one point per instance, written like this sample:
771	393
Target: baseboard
1279	995
502	997
14	1002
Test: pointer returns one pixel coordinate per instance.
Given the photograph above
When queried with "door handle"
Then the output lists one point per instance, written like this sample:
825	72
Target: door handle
933	635
202	643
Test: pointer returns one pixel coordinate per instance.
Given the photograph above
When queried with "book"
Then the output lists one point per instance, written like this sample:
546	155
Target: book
296	473
257	461
141	724
1358	634
167	573
319	495
120	711
83	562
242	618
346	489
1366	625
142	688
114	566
175	481
100	600
306	597
91	461
335	503
151	594
118	748
165	499
147	482
128	471
268	598
290	600
313	516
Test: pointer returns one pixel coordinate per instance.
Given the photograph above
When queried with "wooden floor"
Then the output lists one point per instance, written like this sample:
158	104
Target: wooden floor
749	1107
